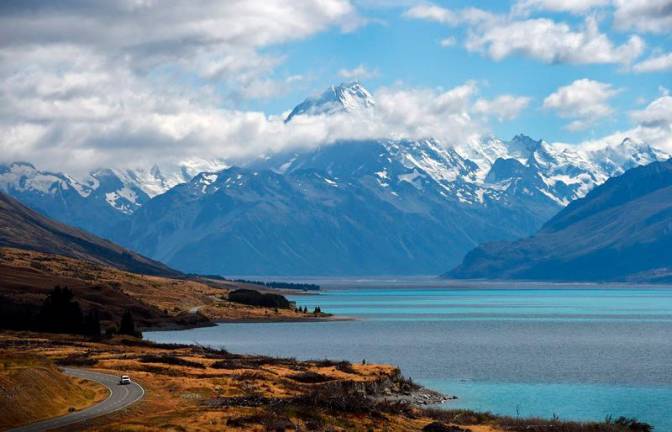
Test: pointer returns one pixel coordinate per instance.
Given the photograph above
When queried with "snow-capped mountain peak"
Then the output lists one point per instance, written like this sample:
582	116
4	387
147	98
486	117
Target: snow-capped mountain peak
346	97
23	176
522	146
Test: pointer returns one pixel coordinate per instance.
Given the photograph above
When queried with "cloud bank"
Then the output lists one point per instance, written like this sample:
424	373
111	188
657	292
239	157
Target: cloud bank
585	101
122	83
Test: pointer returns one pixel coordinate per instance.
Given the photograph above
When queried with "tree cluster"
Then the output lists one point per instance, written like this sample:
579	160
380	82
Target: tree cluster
59	313
255	298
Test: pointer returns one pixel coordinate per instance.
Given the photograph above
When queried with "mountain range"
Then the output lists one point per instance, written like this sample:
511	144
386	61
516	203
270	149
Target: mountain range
383	206
622	230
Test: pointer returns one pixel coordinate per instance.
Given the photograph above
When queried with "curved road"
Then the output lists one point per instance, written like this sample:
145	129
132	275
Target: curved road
120	397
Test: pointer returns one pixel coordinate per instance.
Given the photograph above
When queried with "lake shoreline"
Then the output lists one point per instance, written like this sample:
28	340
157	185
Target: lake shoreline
497	350
328	283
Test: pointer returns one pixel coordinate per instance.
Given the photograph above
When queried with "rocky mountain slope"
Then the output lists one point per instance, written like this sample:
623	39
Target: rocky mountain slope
348	208
622	230
23	228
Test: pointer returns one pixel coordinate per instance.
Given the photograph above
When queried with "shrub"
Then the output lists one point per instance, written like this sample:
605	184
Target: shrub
170	359
440	427
339	397
79	360
460	416
633	424
345	366
310	377
255	298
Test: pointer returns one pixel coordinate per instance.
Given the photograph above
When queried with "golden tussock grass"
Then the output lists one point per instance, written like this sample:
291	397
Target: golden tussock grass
32	388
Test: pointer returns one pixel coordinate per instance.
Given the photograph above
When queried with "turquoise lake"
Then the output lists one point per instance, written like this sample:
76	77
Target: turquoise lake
576	352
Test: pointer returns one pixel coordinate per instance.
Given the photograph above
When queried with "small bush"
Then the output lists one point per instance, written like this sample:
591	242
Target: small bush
150	344
441	427
238	401
79	360
339	397
346	367
226	364
241	422
249	375
171	360
310	377
460	416
160	370
633	424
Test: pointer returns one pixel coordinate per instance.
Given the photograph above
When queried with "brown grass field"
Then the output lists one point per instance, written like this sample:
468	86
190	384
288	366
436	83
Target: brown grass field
155	301
32	388
192	388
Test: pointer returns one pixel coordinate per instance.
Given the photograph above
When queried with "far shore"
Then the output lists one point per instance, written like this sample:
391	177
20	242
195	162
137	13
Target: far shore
270	320
287	320
437	282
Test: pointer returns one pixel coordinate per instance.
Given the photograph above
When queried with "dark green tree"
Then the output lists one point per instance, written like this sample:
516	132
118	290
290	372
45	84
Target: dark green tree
92	324
60	313
127	325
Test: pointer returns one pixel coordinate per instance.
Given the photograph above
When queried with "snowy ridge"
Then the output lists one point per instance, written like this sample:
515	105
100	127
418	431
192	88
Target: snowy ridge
473	173
557	172
347	97
123	190
23	176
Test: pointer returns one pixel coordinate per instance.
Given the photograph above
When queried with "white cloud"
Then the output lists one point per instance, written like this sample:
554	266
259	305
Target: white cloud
400	112
659	63
653	16
126	83
134	126
448	42
117	83
294	78
450	17
79	99
432	12
584	101
217	41
357	73
70	107
658	114
504	107
501	36
653	126
572	6
553	42
422	113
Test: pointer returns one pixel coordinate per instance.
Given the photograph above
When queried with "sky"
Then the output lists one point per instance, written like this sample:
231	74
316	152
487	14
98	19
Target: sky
118	83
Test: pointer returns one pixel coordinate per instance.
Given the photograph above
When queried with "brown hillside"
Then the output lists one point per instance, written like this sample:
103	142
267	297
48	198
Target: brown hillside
155	301
32	388
23	228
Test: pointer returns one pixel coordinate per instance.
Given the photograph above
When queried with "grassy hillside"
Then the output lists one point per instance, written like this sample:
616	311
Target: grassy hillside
33	388
155	301
23	228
